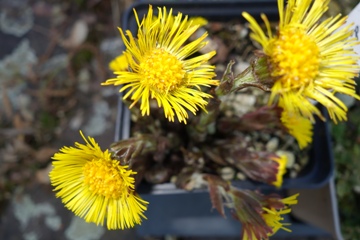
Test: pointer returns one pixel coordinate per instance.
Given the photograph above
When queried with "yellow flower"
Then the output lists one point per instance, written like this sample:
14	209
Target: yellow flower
261	215
273	219
299	127
95	187
120	63
162	67
281	160
309	60
272	215
292	200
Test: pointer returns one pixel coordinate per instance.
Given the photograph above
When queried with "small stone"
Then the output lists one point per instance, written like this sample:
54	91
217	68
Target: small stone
293	174
16	20
173	179
53	222
240	66
240	176
304	160
272	144
81	230
79	33
244	103
259	146
227	173
11	71
25	209
290	157
296	167
243	32
228	113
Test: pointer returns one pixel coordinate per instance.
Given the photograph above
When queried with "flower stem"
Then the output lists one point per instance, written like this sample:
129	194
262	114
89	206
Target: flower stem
256	75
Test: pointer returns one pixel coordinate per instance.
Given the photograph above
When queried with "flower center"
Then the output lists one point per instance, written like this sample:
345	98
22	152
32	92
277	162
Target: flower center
294	58
162	71
103	178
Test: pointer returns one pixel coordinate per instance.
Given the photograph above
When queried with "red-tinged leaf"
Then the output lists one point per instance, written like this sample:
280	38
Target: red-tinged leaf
216	199
247	208
216	180
214	185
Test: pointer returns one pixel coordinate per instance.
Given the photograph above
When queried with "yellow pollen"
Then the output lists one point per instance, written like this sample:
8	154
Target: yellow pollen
294	58
162	71
102	177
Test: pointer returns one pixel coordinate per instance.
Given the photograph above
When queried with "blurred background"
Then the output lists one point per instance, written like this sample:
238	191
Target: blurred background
53	56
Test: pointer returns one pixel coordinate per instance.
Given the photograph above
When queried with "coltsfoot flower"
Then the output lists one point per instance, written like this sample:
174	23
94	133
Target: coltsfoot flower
161	66
301	128
309	60
273	215
281	169
96	187
260	215
262	166
120	63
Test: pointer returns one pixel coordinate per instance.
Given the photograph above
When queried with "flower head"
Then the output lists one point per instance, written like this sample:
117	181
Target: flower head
120	63
299	127
309	61
260	166
260	215
281	169
273	209
273	219
162	68
95	187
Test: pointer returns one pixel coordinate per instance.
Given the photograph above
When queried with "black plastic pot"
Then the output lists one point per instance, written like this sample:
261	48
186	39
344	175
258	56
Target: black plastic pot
177	212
